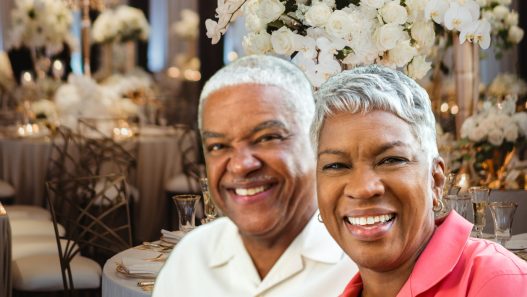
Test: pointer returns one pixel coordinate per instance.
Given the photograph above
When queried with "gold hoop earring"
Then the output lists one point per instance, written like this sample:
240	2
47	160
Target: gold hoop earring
439	207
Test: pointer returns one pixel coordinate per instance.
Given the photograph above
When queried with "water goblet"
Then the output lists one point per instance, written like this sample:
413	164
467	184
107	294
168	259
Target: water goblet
460	203
480	198
210	209
502	214
186	206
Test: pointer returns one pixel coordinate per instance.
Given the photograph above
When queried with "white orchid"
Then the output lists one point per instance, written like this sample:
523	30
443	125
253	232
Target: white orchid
477	32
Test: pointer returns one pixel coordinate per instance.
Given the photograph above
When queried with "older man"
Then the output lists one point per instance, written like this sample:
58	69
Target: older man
254	118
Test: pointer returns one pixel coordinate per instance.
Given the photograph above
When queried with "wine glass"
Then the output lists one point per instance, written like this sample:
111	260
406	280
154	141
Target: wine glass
503	215
210	209
480	198
186	206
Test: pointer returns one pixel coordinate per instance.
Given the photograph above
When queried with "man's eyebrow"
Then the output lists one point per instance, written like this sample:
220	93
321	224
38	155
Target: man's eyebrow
262	126
331	152
268	124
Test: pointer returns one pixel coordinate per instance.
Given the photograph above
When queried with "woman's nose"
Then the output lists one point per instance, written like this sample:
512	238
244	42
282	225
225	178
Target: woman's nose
364	184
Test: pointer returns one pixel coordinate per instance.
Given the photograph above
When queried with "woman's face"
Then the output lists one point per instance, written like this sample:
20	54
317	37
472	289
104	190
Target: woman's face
376	189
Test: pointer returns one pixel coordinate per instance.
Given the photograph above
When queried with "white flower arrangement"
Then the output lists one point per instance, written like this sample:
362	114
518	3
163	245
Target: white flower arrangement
506	84
504	22
323	37
125	23
188	26
496	124
41	24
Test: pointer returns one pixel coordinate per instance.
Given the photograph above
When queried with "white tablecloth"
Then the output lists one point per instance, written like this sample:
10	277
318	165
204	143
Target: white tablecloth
115	284
23	163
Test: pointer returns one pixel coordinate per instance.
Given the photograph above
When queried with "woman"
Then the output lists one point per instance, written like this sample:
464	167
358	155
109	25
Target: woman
379	179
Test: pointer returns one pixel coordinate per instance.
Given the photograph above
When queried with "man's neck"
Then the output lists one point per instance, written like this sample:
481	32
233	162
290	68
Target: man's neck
265	251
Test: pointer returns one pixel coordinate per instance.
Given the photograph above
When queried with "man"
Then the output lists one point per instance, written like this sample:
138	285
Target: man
254	119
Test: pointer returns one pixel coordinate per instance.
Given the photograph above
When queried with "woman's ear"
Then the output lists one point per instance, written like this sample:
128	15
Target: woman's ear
438	177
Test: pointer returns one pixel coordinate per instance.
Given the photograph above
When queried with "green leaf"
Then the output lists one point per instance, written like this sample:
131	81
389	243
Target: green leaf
290	6
343	53
274	25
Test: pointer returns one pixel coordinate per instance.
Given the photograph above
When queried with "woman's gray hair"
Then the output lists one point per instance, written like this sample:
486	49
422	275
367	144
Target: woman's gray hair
265	70
375	87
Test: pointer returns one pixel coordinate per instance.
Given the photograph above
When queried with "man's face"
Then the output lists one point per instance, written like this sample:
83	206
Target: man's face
259	161
375	188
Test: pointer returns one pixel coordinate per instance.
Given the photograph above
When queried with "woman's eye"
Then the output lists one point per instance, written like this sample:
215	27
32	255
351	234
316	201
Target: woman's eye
335	166
393	161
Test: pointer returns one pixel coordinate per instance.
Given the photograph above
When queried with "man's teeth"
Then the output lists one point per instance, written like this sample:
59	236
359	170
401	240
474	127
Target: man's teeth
249	192
361	221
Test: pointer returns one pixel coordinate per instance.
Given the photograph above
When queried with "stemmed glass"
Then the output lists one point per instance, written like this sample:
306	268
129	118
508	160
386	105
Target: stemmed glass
210	209
503	214
186	208
480	198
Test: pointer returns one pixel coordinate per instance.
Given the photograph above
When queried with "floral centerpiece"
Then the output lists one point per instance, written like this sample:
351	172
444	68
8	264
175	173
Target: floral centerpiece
493	135
504	22
125	23
41	24
323	37
507	84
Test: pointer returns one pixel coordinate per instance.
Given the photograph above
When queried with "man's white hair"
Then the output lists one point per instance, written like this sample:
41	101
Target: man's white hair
375	87
265	70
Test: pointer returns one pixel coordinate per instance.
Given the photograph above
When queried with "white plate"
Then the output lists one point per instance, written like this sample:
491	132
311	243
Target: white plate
516	244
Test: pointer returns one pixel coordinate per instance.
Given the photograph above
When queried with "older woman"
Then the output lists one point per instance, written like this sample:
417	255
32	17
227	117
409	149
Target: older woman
379	179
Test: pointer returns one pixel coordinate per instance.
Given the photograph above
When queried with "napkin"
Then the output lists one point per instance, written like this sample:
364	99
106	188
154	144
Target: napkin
172	236
138	266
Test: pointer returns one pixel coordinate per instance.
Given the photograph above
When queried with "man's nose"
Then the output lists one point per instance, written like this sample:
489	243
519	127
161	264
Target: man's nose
243	162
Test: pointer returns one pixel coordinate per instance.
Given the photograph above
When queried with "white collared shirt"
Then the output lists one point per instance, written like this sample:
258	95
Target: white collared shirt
212	261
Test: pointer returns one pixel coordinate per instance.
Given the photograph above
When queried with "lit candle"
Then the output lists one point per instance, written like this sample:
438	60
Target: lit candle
57	69
27	78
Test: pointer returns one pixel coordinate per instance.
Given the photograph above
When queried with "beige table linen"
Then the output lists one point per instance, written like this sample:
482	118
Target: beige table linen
5	254
23	163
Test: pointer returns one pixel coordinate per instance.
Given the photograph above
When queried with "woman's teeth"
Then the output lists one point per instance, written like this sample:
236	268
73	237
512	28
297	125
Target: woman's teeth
362	221
250	191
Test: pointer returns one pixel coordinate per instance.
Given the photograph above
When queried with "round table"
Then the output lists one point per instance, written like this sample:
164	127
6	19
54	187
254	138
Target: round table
115	284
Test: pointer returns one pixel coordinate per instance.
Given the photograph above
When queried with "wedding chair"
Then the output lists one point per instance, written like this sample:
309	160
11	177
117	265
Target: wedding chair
7	192
5	254
96	227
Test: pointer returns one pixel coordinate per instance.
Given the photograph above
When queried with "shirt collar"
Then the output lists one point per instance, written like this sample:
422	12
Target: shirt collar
314	243
446	247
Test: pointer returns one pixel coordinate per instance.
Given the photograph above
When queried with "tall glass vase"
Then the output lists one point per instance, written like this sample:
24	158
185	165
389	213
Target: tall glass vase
466	65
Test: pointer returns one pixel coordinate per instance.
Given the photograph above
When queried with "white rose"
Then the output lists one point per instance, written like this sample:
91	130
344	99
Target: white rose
257	43
496	137
418	68
270	10
512	19
283	41
515	34
373	3
482	2
477	134
511	133
520	119
416	10
393	12
387	36
402	53
500	12
505	2
423	33
253	23
318	15
468	125
338	24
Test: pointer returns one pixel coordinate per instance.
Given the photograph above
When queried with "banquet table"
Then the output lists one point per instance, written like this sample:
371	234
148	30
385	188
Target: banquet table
115	284
24	161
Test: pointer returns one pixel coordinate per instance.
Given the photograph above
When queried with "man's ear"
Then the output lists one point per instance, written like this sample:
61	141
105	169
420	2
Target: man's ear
438	177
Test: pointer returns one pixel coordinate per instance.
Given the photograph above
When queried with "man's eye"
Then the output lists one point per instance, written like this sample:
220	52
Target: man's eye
393	161
335	166
215	147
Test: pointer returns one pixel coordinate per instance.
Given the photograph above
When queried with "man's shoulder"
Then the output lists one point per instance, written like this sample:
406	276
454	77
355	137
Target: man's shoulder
211	233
